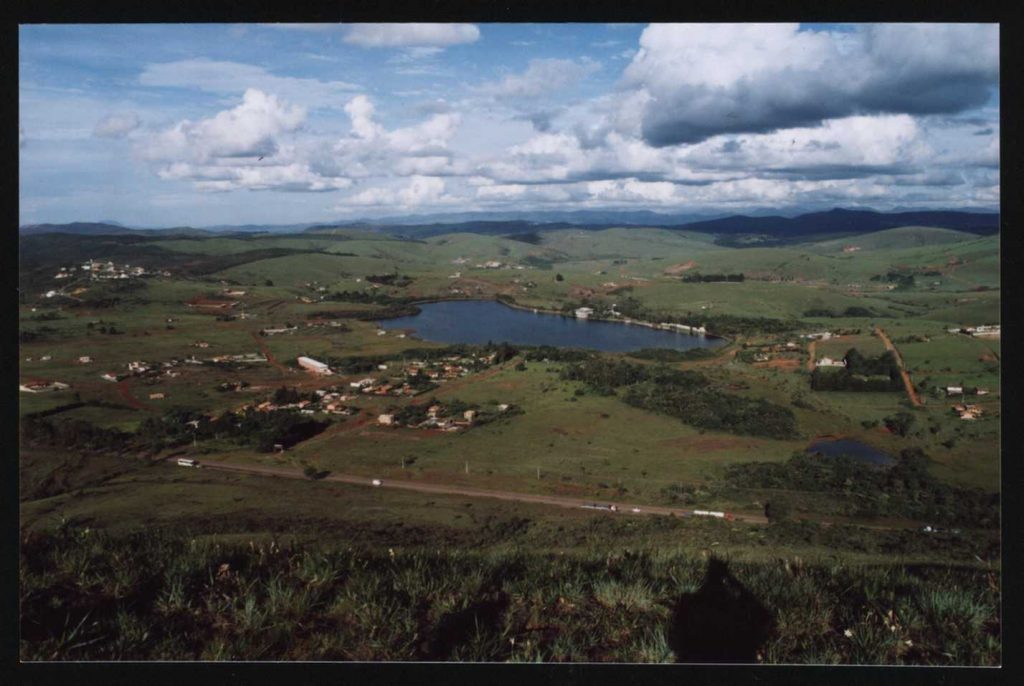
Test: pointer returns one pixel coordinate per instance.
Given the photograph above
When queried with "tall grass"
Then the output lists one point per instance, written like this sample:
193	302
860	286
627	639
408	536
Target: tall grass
88	595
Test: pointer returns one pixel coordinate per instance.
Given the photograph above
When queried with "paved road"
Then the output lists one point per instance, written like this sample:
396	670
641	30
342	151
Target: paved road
444	489
911	393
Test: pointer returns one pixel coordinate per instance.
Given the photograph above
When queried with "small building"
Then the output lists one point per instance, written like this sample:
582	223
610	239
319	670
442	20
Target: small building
42	386
829	362
362	383
110	376
503	407
315	366
584	312
156	396
954	390
386	419
84	359
469	415
200	344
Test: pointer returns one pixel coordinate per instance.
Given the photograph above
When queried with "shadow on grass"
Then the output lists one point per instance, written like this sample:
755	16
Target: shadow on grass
721	622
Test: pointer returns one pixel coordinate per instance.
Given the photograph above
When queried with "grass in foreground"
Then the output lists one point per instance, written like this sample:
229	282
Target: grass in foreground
87	595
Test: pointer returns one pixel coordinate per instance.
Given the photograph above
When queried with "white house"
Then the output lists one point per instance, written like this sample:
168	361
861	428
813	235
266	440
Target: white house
386	419
954	390
84	359
110	376
584	312
829	362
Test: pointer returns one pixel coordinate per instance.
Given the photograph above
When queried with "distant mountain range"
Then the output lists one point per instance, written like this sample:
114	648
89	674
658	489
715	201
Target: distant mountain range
835	221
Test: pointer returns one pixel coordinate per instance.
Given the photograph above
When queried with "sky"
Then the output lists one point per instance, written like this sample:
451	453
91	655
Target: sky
210	124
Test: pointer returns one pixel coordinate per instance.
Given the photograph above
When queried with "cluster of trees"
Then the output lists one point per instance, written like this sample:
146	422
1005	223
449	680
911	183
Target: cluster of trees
75	434
43	333
366	297
853	311
686	395
902	281
869	374
388	312
668	355
905	489
553	354
261	430
711	278
399	280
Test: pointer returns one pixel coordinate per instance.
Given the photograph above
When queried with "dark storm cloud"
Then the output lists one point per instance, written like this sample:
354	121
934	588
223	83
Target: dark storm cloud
783	78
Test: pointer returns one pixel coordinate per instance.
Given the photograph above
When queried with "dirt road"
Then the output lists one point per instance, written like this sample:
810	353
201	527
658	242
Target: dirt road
443	489
266	352
911	393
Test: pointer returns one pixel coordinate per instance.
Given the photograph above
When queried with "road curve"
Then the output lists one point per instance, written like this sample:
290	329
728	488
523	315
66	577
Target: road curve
443	489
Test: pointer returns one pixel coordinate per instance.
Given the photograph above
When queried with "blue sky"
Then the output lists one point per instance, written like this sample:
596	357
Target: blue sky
165	125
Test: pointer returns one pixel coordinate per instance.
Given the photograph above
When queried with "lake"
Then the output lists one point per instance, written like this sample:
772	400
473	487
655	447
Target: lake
862	452
480	321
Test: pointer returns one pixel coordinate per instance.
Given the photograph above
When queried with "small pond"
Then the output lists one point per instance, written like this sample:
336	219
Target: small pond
862	452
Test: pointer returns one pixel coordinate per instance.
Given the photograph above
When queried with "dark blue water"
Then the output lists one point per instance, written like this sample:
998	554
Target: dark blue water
862	452
480	321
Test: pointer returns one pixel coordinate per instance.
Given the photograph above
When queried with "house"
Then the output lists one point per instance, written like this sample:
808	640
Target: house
156	396
138	367
315	366
980	391
84	359
362	383
42	386
386	419
954	390
968	412
829	362
503	407
110	376
470	415
584	312
200	344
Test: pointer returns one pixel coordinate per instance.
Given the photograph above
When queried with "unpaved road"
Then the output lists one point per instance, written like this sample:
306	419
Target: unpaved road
911	393
443	489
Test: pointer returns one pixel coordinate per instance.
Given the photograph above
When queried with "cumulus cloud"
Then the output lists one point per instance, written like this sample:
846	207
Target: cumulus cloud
248	130
117	125
371	149
711	79
242	148
411	35
215	76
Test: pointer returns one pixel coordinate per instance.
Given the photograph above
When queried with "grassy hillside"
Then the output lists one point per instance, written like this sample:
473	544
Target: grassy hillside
86	595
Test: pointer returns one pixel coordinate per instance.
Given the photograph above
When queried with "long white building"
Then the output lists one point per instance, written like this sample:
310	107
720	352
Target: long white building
314	366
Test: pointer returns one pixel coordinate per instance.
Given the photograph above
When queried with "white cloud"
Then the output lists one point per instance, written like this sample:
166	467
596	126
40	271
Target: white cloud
117	125
421	191
248	130
542	77
408	35
215	76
